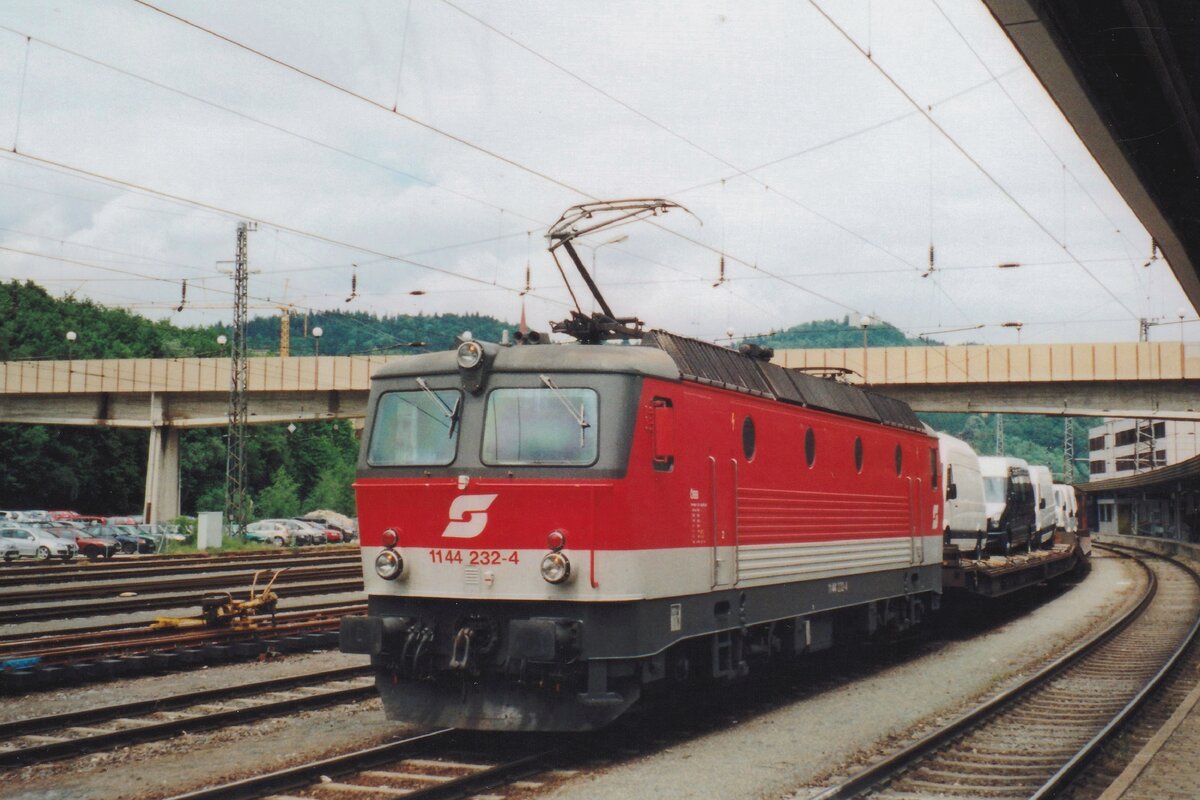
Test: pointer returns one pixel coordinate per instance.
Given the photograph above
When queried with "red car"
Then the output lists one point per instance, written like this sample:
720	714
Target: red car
92	547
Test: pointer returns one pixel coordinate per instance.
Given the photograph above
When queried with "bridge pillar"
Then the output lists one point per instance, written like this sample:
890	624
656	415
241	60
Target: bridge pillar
162	475
162	467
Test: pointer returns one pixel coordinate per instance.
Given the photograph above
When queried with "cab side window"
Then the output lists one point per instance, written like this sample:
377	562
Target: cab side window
663	421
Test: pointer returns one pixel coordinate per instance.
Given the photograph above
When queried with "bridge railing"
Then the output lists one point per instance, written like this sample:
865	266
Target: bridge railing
1027	363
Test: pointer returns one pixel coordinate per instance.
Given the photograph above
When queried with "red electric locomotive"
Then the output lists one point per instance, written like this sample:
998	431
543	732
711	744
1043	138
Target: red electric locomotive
550	530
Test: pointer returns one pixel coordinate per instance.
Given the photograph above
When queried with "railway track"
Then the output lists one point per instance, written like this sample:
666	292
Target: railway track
62	647
46	662
40	739
81	633
41	575
149	559
1032	740
296	586
220	581
439	764
1152	725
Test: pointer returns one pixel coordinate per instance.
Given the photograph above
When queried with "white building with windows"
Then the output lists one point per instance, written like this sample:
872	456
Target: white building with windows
1122	447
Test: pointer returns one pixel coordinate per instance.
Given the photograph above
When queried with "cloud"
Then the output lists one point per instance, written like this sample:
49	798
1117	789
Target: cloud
845	228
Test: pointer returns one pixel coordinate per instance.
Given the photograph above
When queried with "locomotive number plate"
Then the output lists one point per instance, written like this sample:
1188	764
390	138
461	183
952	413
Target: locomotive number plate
485	558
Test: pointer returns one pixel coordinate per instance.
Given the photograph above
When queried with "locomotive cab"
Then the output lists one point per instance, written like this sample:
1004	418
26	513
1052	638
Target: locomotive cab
488	480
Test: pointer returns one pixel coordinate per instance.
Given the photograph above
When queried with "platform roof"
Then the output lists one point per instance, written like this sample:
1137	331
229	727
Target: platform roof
1162	477
1126	74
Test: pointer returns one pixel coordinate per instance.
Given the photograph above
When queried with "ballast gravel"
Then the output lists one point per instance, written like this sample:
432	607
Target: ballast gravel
774	753
788	751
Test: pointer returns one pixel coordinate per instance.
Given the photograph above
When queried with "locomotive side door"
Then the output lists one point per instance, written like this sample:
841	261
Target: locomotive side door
723	473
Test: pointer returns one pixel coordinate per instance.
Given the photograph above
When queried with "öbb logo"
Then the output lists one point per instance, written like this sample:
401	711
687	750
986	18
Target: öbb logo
468	516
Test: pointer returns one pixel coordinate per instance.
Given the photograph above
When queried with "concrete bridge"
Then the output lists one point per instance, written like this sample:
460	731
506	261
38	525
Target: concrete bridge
1143	379
1147	379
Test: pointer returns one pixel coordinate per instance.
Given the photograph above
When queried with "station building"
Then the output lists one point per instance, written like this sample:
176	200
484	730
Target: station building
1163	502
1122	447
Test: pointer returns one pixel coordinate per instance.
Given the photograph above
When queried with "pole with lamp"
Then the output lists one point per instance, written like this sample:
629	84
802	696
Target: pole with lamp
71	337
596	249
1017	325
222	340
317	333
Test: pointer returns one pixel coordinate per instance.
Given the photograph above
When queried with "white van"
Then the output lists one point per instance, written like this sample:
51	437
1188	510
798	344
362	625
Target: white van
1043	496
965	522
1008	502
1067	507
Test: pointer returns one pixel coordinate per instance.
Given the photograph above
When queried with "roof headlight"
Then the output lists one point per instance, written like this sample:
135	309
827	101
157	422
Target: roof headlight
470	354
556	568
389	564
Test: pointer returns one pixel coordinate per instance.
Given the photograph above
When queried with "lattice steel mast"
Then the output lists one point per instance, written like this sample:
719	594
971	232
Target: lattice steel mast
236	499
999	434
1069	450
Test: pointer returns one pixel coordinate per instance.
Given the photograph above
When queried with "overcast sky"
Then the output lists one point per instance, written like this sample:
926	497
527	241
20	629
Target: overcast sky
814	168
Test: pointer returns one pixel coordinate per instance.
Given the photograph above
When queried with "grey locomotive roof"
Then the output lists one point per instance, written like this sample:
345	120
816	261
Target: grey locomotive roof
633	359
665	355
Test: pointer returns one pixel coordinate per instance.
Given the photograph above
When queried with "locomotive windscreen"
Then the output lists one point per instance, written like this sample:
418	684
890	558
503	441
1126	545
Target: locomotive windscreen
414	428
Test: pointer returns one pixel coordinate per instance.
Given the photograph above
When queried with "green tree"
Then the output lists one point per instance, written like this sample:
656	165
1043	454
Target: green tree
281	498
333	490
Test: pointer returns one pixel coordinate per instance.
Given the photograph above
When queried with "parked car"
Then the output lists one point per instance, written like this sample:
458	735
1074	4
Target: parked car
37	543
332	535
302	532
91	547
130	541
332	519
8	550
269	531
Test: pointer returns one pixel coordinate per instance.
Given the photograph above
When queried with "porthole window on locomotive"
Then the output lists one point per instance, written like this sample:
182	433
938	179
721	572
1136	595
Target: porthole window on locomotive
899	459
810	446
858	453
748	441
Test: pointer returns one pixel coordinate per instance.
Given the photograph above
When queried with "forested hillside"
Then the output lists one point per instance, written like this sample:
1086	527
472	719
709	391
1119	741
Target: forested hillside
102	471
1037	439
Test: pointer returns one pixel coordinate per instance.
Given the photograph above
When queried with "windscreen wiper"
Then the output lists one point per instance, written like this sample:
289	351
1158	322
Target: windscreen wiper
580	417
450	413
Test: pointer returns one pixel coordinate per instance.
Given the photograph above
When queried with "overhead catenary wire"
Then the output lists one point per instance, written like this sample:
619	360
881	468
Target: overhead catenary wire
970	158
265	222
450	135
753	265
266	124
363	98
108	179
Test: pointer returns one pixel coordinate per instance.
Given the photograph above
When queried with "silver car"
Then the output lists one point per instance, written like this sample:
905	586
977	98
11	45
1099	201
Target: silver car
35	543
